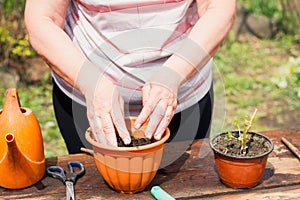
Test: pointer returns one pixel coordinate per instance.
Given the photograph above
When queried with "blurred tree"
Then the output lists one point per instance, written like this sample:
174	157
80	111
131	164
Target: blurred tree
267	8
291	16
287	12
14	45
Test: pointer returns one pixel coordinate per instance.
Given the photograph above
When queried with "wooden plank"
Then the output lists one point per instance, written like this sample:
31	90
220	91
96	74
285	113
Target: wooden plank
285	193
192	175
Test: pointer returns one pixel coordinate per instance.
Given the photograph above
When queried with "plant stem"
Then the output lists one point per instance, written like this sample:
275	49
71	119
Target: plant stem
247	127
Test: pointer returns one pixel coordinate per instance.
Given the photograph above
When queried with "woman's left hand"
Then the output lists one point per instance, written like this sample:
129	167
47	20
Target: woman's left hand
159	102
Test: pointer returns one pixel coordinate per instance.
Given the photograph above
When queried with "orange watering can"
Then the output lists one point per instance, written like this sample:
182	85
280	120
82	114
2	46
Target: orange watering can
22	159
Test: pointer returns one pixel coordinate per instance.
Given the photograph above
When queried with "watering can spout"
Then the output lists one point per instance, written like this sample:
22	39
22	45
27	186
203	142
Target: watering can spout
10	140
14	155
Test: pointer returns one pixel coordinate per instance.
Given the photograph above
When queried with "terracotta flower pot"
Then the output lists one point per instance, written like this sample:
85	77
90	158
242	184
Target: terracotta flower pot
128	169
240	172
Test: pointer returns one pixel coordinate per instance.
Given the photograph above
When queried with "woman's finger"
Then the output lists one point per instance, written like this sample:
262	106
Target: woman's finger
107	128
119	122
146	93
97	129
164	122
155	118
147	109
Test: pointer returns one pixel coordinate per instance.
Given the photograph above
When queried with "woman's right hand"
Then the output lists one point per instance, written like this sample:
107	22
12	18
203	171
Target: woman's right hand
105	106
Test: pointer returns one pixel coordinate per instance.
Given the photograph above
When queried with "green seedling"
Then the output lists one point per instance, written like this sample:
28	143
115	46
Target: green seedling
229	133
247	127
243	136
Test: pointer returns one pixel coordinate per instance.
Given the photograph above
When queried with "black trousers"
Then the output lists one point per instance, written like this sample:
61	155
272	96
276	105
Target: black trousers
194	122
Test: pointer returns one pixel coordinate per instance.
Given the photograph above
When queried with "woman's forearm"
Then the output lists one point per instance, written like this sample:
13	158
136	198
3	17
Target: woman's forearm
44	23
214	24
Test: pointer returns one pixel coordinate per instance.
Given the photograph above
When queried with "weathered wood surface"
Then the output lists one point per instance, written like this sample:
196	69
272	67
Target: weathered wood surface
192	176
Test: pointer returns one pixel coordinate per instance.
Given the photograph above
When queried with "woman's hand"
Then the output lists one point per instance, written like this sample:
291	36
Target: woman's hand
105	112
159	102
105	106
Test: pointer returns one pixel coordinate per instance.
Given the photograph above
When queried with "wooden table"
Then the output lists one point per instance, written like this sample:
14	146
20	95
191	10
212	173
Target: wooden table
192	176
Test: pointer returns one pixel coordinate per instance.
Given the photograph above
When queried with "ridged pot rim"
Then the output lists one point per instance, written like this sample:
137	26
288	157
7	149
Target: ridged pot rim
242	157
164	138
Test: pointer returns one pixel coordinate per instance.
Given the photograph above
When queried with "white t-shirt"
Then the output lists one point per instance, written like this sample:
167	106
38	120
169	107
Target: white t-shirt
138	36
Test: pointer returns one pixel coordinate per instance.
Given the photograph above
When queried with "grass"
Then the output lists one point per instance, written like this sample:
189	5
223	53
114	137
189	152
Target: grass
245	69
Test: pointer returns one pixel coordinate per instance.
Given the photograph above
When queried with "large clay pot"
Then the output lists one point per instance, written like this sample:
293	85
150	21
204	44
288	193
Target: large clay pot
22	160
128	169
240	172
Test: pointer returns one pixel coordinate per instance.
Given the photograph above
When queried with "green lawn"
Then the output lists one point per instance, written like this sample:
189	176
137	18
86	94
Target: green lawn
249	71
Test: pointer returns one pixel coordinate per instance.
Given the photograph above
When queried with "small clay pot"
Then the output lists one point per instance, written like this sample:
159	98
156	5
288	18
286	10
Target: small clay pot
128	169
240	172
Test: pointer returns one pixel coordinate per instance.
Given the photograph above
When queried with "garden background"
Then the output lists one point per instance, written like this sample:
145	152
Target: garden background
258	66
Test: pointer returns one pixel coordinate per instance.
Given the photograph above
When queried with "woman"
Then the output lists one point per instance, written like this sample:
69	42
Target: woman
148	58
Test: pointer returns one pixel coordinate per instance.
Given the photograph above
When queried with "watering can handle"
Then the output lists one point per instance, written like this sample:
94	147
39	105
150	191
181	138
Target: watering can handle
12	102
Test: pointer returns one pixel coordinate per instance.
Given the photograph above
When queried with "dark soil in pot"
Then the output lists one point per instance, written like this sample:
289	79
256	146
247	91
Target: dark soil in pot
134	142
137	135
256	144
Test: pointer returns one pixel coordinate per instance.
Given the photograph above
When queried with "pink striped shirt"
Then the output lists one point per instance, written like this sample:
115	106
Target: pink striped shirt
138	36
